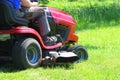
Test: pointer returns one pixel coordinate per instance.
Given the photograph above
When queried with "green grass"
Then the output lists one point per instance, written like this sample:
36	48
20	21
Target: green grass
103	45
90	13
101	38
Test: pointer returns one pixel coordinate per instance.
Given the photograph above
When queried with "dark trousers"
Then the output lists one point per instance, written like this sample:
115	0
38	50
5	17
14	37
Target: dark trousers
34	13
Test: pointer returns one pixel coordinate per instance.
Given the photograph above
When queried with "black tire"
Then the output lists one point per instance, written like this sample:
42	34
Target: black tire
80	51
27	53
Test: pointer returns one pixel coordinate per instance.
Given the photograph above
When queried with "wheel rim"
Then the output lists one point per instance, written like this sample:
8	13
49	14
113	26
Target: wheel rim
33	55
80	54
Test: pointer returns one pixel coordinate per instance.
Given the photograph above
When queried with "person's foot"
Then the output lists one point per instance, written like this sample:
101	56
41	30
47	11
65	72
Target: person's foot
49	41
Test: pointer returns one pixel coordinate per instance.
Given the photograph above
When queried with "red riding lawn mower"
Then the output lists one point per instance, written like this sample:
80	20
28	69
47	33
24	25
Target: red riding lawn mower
21	42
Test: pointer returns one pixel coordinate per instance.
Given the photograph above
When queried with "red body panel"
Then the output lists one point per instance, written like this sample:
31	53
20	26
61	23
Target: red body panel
30	32
59	17
63	18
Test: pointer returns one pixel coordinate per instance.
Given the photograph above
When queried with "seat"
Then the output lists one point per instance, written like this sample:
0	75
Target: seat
8	17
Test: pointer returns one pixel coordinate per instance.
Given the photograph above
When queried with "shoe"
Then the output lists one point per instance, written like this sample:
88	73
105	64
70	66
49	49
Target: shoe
49	41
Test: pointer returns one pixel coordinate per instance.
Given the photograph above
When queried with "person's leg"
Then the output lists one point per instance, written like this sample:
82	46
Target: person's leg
39	14
33	12
43	24
41	18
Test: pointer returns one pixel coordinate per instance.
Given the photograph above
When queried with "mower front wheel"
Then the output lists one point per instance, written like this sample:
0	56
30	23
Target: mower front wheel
80	51
27	53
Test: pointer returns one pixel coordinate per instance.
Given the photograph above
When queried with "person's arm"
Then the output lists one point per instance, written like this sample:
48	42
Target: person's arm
28	3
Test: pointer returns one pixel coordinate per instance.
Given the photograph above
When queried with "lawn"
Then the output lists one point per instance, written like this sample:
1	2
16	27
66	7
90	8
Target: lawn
103	46
102	42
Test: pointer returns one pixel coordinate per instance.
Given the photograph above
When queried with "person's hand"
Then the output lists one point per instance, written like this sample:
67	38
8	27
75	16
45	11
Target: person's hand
28	3
34	3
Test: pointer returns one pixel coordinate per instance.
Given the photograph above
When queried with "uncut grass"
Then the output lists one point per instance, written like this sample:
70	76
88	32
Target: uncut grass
90	13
